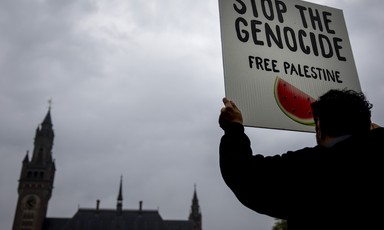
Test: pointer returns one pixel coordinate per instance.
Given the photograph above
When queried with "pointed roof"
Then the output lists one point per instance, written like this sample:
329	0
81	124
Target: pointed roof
45	128
120	196
195	213
119	205
26	158
47	119
194	199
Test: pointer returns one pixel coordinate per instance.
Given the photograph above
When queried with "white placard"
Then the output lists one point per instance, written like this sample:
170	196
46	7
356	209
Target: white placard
268	42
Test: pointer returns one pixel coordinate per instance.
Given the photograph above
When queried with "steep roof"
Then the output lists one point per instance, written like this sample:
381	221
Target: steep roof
108	219
179	224
55	223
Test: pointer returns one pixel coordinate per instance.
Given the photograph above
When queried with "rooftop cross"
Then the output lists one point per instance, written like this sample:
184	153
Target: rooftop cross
50	103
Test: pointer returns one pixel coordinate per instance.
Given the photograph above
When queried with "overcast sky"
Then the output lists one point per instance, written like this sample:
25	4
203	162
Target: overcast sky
136	89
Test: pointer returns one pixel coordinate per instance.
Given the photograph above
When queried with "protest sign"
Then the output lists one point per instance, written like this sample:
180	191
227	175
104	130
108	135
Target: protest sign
279	56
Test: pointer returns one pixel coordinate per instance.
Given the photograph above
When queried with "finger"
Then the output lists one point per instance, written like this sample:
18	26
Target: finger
233	105
225	100
227	103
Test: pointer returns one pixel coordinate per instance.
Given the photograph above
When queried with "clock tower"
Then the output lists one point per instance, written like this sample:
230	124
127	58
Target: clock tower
36	180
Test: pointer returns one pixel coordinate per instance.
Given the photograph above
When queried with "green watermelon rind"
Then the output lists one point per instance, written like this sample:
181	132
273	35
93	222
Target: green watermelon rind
308	122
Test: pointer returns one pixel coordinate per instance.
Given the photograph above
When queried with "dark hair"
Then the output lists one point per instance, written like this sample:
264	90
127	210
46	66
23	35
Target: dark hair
342	112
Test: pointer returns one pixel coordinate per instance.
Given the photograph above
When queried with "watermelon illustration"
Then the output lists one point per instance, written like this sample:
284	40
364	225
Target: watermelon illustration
293	102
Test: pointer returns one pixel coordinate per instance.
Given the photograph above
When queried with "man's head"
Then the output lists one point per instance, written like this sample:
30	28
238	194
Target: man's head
341	112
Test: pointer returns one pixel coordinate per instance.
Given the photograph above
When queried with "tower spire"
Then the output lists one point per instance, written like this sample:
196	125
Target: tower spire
36	180
44	141
119	205
195	214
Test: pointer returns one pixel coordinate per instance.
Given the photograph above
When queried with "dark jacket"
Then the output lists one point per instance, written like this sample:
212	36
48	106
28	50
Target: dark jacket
313	188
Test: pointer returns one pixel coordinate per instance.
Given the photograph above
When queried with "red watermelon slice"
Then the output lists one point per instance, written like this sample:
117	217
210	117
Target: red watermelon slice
293	102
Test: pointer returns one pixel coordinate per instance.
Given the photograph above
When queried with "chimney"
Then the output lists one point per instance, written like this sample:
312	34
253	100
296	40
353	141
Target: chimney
140	206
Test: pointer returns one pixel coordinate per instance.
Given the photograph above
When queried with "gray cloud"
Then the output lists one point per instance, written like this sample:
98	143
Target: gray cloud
136	89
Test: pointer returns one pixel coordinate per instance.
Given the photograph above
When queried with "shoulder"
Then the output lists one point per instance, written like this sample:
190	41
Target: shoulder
305	153
373	136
